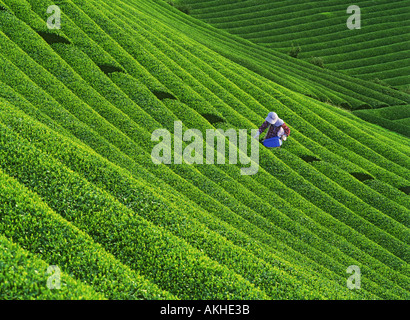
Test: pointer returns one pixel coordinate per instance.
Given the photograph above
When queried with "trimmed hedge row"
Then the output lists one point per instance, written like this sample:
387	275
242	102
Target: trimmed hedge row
23	276
217	46
333	40
156	253
49	139
123	186
371	116
389	207
394	112
310	31
235	45
389	69
393	193
390	52
405	121
214	8
26	219
301	24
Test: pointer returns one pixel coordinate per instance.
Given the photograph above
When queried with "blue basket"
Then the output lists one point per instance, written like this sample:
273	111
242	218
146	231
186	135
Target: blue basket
274	142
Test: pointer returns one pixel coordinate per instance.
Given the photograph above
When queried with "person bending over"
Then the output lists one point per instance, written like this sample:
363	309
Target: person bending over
278	131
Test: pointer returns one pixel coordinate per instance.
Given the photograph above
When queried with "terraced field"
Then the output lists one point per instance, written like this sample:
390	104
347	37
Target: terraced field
379	51
395	118
79	189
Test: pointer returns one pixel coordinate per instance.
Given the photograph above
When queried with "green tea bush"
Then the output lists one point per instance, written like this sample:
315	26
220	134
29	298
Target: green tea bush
294	52
207	224
317	61
150	249
23	276
66	246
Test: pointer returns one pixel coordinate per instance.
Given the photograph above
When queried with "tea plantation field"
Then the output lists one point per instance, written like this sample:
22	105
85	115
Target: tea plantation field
395	118
79	190
378	51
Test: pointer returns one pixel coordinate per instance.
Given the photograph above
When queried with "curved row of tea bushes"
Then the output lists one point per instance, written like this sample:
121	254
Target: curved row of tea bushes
373	117
125	188
157	254
240	50
31	224
24	276
115	114
319	29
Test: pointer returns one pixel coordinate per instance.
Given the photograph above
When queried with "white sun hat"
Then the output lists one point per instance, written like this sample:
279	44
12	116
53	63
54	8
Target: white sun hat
272	117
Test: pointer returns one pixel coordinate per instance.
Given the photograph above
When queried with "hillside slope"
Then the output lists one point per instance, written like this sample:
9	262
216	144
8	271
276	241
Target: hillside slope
77	110
395	118
378	51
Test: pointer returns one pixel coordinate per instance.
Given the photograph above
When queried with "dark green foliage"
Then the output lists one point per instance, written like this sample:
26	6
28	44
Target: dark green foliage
52	38
213	118
364	107
406	189
107	69
381	82
362	176
294	52
308	158
346	105
72	250
317	61
184	8
161	95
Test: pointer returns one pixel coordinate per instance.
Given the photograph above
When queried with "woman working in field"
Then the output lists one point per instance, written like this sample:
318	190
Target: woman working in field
277	133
